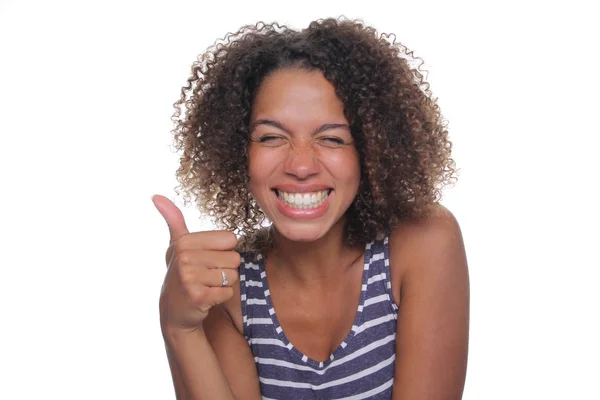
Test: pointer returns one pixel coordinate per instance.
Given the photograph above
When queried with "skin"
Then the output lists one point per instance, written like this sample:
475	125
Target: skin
301	137
428	266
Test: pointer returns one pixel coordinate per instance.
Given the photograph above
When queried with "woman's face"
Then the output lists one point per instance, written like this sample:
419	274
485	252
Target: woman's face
303	164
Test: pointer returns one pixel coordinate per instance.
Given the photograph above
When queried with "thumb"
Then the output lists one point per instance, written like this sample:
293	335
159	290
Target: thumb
172	215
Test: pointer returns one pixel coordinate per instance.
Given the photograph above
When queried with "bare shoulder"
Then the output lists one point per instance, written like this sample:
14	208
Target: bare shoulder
440	224
431	281
438	234
425	246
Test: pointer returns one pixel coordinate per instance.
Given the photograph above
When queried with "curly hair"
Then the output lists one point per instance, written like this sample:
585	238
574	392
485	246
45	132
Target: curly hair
400	134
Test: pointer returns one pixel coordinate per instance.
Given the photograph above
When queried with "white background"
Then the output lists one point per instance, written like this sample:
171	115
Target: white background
86	93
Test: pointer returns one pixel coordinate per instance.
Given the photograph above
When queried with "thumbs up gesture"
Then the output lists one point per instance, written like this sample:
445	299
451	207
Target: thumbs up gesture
201	268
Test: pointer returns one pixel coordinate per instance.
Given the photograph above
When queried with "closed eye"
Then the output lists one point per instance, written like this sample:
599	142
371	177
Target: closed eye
332	141
265	138
271	140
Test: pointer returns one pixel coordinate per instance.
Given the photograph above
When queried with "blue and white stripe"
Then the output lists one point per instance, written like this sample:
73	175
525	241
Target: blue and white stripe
361	367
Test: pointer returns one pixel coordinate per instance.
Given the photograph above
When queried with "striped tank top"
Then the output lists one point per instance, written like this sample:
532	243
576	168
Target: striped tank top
362	367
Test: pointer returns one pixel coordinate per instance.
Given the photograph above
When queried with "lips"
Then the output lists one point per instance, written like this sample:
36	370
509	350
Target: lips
304	200
303	204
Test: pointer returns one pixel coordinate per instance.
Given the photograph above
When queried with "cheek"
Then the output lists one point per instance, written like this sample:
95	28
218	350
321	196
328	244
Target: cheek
353	171
261	164
345	166
255	162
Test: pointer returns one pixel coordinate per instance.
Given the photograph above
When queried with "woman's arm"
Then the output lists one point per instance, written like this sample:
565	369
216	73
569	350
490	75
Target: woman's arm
433	318
212	363
208	355
194	366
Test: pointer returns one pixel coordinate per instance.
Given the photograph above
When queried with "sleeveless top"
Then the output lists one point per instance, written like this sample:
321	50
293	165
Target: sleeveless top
362	367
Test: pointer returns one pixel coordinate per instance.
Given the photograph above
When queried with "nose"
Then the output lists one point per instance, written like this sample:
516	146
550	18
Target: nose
302	161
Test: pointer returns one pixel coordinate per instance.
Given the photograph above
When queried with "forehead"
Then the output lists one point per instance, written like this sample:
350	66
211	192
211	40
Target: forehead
294	94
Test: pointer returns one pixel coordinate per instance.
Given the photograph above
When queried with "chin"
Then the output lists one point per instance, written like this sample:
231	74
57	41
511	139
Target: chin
299	233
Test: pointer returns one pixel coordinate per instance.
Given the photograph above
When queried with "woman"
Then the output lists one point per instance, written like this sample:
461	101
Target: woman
358	287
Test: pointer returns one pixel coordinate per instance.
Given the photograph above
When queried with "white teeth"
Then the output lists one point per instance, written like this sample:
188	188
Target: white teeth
303	200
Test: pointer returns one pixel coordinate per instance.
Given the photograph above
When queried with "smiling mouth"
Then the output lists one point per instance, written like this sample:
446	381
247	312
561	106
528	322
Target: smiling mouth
303	200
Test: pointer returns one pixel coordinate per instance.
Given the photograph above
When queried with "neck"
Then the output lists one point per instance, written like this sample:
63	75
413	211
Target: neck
314	263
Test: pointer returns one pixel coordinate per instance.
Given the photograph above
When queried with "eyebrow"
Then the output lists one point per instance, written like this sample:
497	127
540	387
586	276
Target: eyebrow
279	125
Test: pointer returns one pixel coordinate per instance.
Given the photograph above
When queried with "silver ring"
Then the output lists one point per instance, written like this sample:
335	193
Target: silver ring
224	280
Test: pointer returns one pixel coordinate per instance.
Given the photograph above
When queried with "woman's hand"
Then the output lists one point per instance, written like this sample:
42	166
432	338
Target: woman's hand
196	263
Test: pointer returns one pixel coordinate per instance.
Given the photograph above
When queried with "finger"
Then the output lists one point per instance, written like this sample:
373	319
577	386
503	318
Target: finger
194	279
209	240
220	295
205	297
221	277
172	215
210	259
